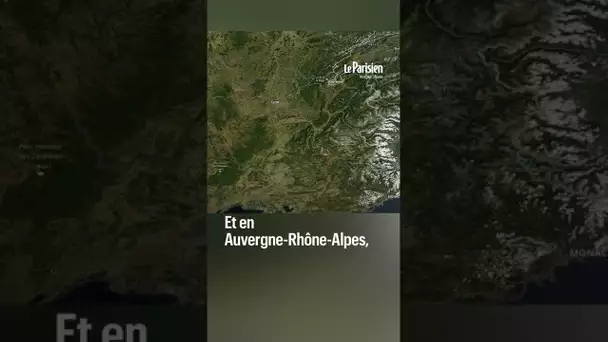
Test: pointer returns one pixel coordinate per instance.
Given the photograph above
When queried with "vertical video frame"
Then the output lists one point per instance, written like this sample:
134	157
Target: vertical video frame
303	185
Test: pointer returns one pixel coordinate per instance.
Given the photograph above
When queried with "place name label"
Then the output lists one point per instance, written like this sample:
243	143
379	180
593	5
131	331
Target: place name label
291	239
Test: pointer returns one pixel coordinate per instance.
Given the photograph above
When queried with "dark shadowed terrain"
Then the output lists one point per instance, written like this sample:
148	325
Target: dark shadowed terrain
504	169
102	152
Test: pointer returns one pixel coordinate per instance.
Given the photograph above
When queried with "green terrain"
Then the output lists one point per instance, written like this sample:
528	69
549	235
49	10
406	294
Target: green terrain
289	130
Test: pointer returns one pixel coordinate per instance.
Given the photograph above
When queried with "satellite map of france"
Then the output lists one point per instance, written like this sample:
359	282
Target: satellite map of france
303	121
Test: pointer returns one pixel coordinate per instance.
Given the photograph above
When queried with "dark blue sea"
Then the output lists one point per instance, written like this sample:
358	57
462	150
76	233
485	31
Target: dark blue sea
238	209
582	282
392	205
99	292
